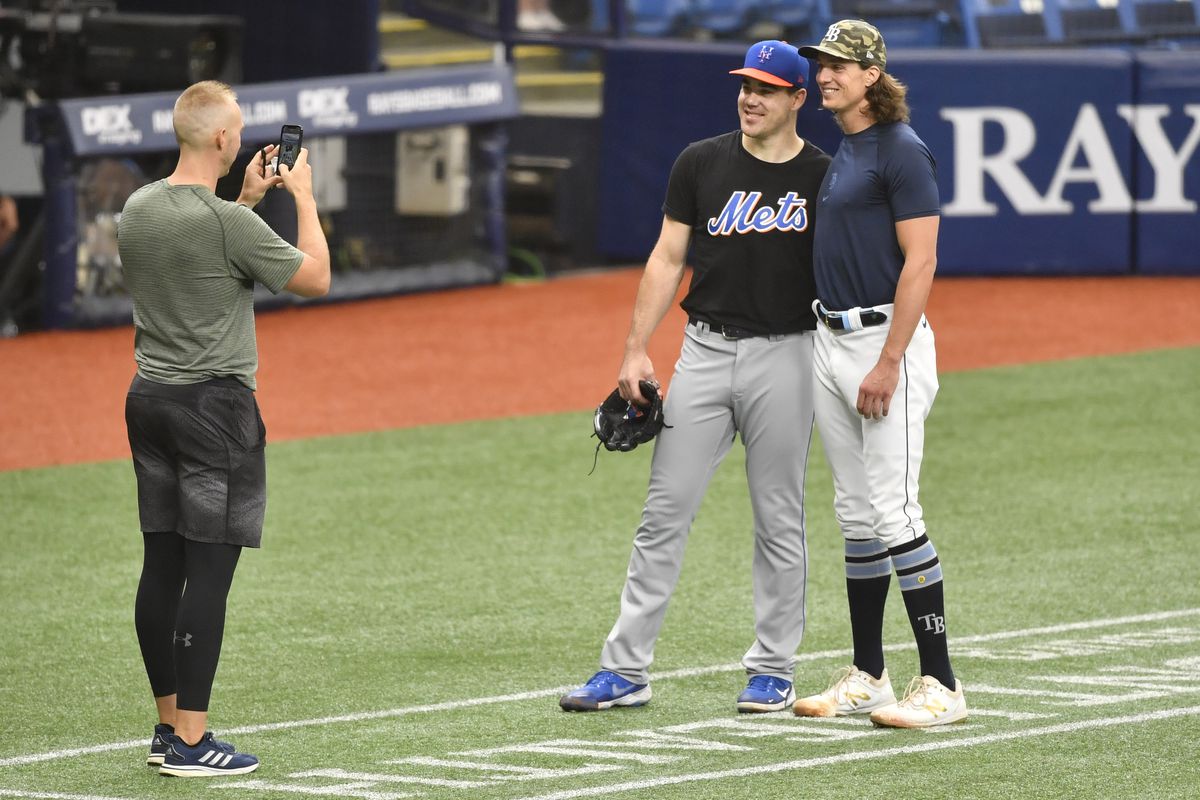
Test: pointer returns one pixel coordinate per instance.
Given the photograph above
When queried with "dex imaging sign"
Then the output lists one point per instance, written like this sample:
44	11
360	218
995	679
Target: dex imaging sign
327	106
109	124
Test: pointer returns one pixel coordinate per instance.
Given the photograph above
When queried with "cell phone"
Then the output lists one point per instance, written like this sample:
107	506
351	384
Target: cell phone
290	138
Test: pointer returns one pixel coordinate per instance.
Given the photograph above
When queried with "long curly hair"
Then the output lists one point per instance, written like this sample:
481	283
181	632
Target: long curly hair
887	99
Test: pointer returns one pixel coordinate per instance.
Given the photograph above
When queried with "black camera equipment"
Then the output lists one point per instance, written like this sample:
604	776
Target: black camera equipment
51	49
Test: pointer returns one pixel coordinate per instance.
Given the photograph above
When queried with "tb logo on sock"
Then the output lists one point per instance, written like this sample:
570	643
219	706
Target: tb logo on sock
934	622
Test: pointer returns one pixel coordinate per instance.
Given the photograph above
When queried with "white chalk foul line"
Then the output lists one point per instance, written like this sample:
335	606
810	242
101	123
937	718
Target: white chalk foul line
54	795
453	705
858	757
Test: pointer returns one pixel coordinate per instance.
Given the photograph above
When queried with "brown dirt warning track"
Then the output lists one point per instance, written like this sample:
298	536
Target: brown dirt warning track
519	349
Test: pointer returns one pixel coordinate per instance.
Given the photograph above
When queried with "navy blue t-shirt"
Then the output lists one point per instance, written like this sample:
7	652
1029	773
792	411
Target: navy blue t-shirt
752	224
878	177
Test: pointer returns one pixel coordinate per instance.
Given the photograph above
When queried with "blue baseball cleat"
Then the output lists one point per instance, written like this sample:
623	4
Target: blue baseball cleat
209	757
604	690
766	693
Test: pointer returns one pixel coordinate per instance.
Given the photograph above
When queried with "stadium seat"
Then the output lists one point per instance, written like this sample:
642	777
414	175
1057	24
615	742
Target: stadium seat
1089	22
793	15
724	17
802	20
658	17
1160	20
1012	23
905	23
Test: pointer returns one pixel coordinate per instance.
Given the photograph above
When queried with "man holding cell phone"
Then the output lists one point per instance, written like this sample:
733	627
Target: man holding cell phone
197	439
291	137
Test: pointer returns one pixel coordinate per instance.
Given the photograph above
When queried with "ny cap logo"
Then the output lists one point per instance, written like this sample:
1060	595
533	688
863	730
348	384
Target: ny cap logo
765	53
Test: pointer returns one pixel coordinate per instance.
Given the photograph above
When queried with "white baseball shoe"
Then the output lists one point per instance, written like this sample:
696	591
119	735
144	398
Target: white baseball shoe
926	703
851	692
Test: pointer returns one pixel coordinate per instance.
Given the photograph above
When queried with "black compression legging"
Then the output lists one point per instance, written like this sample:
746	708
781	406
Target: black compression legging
180	614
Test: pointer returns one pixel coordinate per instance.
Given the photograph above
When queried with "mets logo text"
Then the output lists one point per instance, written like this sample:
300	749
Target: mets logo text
741	215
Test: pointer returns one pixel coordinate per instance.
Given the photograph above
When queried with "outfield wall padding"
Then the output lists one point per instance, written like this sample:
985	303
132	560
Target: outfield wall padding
1081	162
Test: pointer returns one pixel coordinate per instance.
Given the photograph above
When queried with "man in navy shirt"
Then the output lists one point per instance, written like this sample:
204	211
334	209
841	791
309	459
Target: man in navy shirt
876	376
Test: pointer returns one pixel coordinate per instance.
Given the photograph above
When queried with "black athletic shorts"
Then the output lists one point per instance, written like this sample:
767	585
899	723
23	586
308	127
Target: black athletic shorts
199	455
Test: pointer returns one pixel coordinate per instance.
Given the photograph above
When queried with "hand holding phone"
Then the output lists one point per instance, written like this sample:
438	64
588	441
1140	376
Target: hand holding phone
258	179
298	179
291	137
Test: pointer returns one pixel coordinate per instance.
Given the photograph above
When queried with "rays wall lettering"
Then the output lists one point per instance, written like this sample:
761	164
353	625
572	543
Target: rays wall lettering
1087	157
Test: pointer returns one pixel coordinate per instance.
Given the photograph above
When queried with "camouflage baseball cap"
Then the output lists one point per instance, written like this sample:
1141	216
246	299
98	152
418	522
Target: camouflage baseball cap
853	40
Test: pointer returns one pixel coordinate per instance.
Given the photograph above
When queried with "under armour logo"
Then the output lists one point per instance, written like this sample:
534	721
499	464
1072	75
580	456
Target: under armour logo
186	639
765	53
934	623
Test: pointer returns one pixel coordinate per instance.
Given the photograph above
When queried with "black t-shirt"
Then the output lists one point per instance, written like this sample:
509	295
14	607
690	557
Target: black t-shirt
752	233
879	177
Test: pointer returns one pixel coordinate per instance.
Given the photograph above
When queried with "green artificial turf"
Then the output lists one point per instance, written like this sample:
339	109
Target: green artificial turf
410	578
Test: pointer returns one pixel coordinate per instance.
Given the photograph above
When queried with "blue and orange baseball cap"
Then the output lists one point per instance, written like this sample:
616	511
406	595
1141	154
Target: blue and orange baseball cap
775	62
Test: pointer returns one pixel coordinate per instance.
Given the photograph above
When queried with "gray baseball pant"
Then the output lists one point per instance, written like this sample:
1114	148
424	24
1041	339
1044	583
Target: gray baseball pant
762	388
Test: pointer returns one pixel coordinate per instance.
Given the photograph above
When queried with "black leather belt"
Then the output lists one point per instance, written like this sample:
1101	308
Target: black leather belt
840	320
728	331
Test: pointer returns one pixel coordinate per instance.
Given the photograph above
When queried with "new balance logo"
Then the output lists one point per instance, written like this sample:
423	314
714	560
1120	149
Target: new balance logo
186	639
934	622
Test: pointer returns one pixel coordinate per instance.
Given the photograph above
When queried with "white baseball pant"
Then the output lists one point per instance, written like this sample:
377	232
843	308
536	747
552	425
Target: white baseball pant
876	464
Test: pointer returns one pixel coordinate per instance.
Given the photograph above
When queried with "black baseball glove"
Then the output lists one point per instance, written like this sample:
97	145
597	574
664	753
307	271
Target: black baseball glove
623	425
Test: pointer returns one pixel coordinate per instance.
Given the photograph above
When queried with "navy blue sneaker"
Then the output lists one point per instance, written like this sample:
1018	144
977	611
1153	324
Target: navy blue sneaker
604	690
766	693
208	757
158	745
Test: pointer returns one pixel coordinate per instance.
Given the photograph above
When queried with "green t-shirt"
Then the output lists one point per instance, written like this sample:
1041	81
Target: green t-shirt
190	261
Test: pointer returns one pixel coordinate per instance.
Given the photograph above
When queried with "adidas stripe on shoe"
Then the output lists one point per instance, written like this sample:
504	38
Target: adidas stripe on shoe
207	758
158	745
